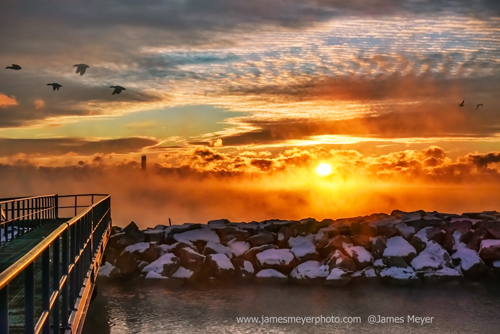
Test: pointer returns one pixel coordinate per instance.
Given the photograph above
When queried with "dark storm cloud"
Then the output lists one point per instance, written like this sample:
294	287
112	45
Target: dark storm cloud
60	146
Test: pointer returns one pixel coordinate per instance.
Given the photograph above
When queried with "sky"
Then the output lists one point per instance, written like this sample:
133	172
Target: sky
235	103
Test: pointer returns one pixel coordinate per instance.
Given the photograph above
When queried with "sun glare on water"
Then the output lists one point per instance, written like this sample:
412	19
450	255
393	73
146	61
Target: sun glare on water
324	169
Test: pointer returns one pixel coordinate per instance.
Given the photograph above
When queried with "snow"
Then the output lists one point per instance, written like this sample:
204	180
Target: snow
336	274
302	246
270	273
182	273
398	246
369	272
433	257
468	257
399	273
138	247
238	247
165	248
205	234
157	266
379	264
105	270
275	256
496	264
154	275
458	244
220	248
490	243
222	261
444	272
358	252
310	269
405	230
247	265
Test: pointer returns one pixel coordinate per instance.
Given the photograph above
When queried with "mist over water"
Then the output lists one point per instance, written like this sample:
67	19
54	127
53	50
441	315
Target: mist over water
150	307
151	198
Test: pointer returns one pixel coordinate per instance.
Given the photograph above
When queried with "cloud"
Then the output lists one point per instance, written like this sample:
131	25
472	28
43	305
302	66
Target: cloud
39	103
6	101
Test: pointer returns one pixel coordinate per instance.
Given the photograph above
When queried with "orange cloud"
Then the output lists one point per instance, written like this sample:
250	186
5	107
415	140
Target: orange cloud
6	101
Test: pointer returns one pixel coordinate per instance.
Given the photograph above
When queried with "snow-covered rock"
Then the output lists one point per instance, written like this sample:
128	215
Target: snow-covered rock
302	247
279	259
406	231
360	255
166	264
238	248
107	270
470	262
432	258
270	276
221	266
202	234
490	249
339	260
182	273
154	275
337	277
217	248
310	270
399	275
137	248
399	247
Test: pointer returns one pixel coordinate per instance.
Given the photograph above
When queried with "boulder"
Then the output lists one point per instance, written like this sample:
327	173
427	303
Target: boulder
214	248
157	236
359	254
339	260
494	231
284	234
474	241
363	228
165	265
442	275
470	263
378	245
152	253
268	276
221	266
303	248
362	240
108	270
426	234
238	248
386	228
432	258
126	264
399	247
310	270
176	248
201	234
190	259
398	276
227	234
251	254
490	250
280	259
337	278
262	238
406	231
244	269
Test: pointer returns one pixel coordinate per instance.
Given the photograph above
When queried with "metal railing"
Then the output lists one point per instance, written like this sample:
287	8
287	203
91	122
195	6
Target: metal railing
69	258
22	214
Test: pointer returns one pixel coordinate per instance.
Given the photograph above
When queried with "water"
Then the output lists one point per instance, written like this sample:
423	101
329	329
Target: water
151	307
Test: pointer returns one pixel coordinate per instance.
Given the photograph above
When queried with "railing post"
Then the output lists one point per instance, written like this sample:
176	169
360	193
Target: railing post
65	267
76	204
29	299
4	310
46	289
55	284
56	204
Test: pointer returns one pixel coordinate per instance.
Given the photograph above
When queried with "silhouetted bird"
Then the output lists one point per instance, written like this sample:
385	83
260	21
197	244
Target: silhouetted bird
14	67
118	89
479	105
461	104
80	68
55	86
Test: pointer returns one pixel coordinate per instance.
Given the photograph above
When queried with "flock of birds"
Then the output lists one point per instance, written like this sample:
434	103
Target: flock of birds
463	103
80	68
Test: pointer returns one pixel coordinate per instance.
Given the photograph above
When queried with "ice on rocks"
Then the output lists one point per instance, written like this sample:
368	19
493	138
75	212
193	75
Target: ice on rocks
203	234
336	274
310	270
270	273
302	245
399	273
182	273
444	272
220	248
238	247
154	275
138	247
275	256
433	257
406	231
105	270
398	246
157	266
222	261
468	257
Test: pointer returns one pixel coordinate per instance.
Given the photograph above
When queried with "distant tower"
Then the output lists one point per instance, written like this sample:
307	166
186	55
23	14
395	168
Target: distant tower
143	162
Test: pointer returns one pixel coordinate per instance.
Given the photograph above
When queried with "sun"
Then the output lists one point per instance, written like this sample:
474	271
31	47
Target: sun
324	169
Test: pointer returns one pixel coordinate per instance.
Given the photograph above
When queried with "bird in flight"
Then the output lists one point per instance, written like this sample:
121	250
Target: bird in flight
14	67
118	89
479	105
461	104
55	86
80	68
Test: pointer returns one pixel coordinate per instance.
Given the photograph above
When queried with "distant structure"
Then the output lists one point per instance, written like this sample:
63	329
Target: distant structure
143	162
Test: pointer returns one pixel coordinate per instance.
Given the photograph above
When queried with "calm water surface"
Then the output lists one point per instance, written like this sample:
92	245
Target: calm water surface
152	307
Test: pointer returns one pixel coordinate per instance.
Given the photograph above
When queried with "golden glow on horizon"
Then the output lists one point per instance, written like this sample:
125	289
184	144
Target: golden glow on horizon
324	169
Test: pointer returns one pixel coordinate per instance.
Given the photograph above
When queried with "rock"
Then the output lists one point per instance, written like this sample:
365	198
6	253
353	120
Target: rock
141	265
386	228
157	236
280	259
222	267
176	248
474	241
310	270
426	234
108	270
303	248
202	234
490	250
378	245
399	247
470	263
432	258
152	253
365	275
284	234
442	275
406	231
227	234
127	265
166	265
112	254
261	239
394	261
154	275
363	241
190	259
339	260
214	248
183	274
244	269
238	247
362	228
251	254
321	239
399	276
360	255
333	244
337	278
494	232
270	276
